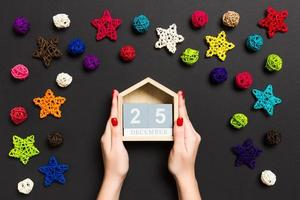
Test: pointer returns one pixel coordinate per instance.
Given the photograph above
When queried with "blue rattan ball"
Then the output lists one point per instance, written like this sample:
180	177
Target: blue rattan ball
76	47
141	24
254	42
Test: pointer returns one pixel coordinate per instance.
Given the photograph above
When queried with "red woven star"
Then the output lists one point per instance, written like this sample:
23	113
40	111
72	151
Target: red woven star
106	26
274	21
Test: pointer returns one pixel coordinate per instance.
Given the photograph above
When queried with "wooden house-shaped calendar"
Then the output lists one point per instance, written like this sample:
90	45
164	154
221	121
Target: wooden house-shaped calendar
147	111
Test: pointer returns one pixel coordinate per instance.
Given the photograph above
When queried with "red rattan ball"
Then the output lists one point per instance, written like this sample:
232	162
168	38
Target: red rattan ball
243	80
18	115
199	18
127	53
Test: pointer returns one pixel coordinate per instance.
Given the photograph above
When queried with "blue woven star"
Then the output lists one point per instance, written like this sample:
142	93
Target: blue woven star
246	154
265	99
54	172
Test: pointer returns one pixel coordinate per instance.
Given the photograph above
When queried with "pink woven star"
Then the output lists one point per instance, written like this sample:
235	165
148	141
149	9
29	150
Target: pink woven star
274	21
106	26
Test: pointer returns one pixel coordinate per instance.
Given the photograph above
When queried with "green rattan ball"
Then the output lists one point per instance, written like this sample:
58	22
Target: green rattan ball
190	56
239	120
274	63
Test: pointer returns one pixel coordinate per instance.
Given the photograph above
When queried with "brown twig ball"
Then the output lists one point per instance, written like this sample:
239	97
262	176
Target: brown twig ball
231	19
272	137
55	139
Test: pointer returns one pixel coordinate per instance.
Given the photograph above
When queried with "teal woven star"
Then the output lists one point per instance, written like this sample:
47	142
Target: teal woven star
265	99
23	148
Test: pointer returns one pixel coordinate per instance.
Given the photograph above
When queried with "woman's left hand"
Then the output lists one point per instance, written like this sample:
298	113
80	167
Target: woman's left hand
115	156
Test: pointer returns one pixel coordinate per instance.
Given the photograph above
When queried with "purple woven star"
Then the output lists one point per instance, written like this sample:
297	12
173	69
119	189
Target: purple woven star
246	154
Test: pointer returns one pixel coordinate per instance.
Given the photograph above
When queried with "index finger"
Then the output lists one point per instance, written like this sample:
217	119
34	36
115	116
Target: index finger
114	104
181	106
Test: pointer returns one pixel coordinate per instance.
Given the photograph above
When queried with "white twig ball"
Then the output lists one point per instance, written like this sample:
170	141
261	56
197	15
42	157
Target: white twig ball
63	79
25	186
61	20
268	177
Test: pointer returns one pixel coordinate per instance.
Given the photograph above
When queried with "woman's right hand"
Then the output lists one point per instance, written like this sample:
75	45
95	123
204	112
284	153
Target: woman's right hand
182	157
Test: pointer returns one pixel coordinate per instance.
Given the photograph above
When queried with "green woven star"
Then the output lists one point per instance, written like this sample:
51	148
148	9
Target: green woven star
23	148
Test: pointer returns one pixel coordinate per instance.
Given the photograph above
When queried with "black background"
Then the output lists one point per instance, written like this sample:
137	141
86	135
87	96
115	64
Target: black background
210	107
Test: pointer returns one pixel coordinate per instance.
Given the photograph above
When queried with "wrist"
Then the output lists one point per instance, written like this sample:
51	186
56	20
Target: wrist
110	188
113	179
187	186
185	178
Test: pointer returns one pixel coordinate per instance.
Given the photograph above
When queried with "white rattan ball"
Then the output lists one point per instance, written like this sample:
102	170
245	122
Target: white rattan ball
63	79
268	177
61	20
25	186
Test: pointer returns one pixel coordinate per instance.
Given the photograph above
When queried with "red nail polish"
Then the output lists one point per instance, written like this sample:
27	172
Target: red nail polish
114	121
182	94
179	121
113	92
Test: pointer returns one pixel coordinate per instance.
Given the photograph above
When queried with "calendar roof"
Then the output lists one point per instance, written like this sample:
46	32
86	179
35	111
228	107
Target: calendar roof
154	83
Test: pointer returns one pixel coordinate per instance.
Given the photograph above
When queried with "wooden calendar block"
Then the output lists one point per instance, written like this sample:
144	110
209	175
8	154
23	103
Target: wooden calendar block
147	119
160	116
147	111
135	116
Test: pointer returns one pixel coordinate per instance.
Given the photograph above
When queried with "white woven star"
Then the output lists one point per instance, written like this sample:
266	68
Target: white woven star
168	38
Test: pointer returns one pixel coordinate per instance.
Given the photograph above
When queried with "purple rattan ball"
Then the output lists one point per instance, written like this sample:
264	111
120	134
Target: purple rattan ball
21	25
90	62
218	75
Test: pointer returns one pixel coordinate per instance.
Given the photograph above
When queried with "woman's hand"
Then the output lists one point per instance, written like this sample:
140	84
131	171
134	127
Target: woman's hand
183	154
115	156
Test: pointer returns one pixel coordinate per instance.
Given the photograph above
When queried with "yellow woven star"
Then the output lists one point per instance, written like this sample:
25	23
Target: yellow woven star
218	45
49	104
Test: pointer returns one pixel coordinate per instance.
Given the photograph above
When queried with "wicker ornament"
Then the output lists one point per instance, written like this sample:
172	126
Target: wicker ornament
266	100
274	63
90	62
18	115
47	50
218	46
21	25
23	149
63	79
190	56
239	120
243	80
168	38
231	19
49	104
25	186
55	139
246	154
254	42
61	21
53	172
106	26
274	21
127	53
141	24
272	137
199	19
268	177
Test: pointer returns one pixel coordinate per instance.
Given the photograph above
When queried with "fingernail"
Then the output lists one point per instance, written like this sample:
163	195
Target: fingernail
114	121
182	94
113	92
179	121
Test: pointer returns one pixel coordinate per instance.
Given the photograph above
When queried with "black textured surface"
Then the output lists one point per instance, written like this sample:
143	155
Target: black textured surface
210	107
